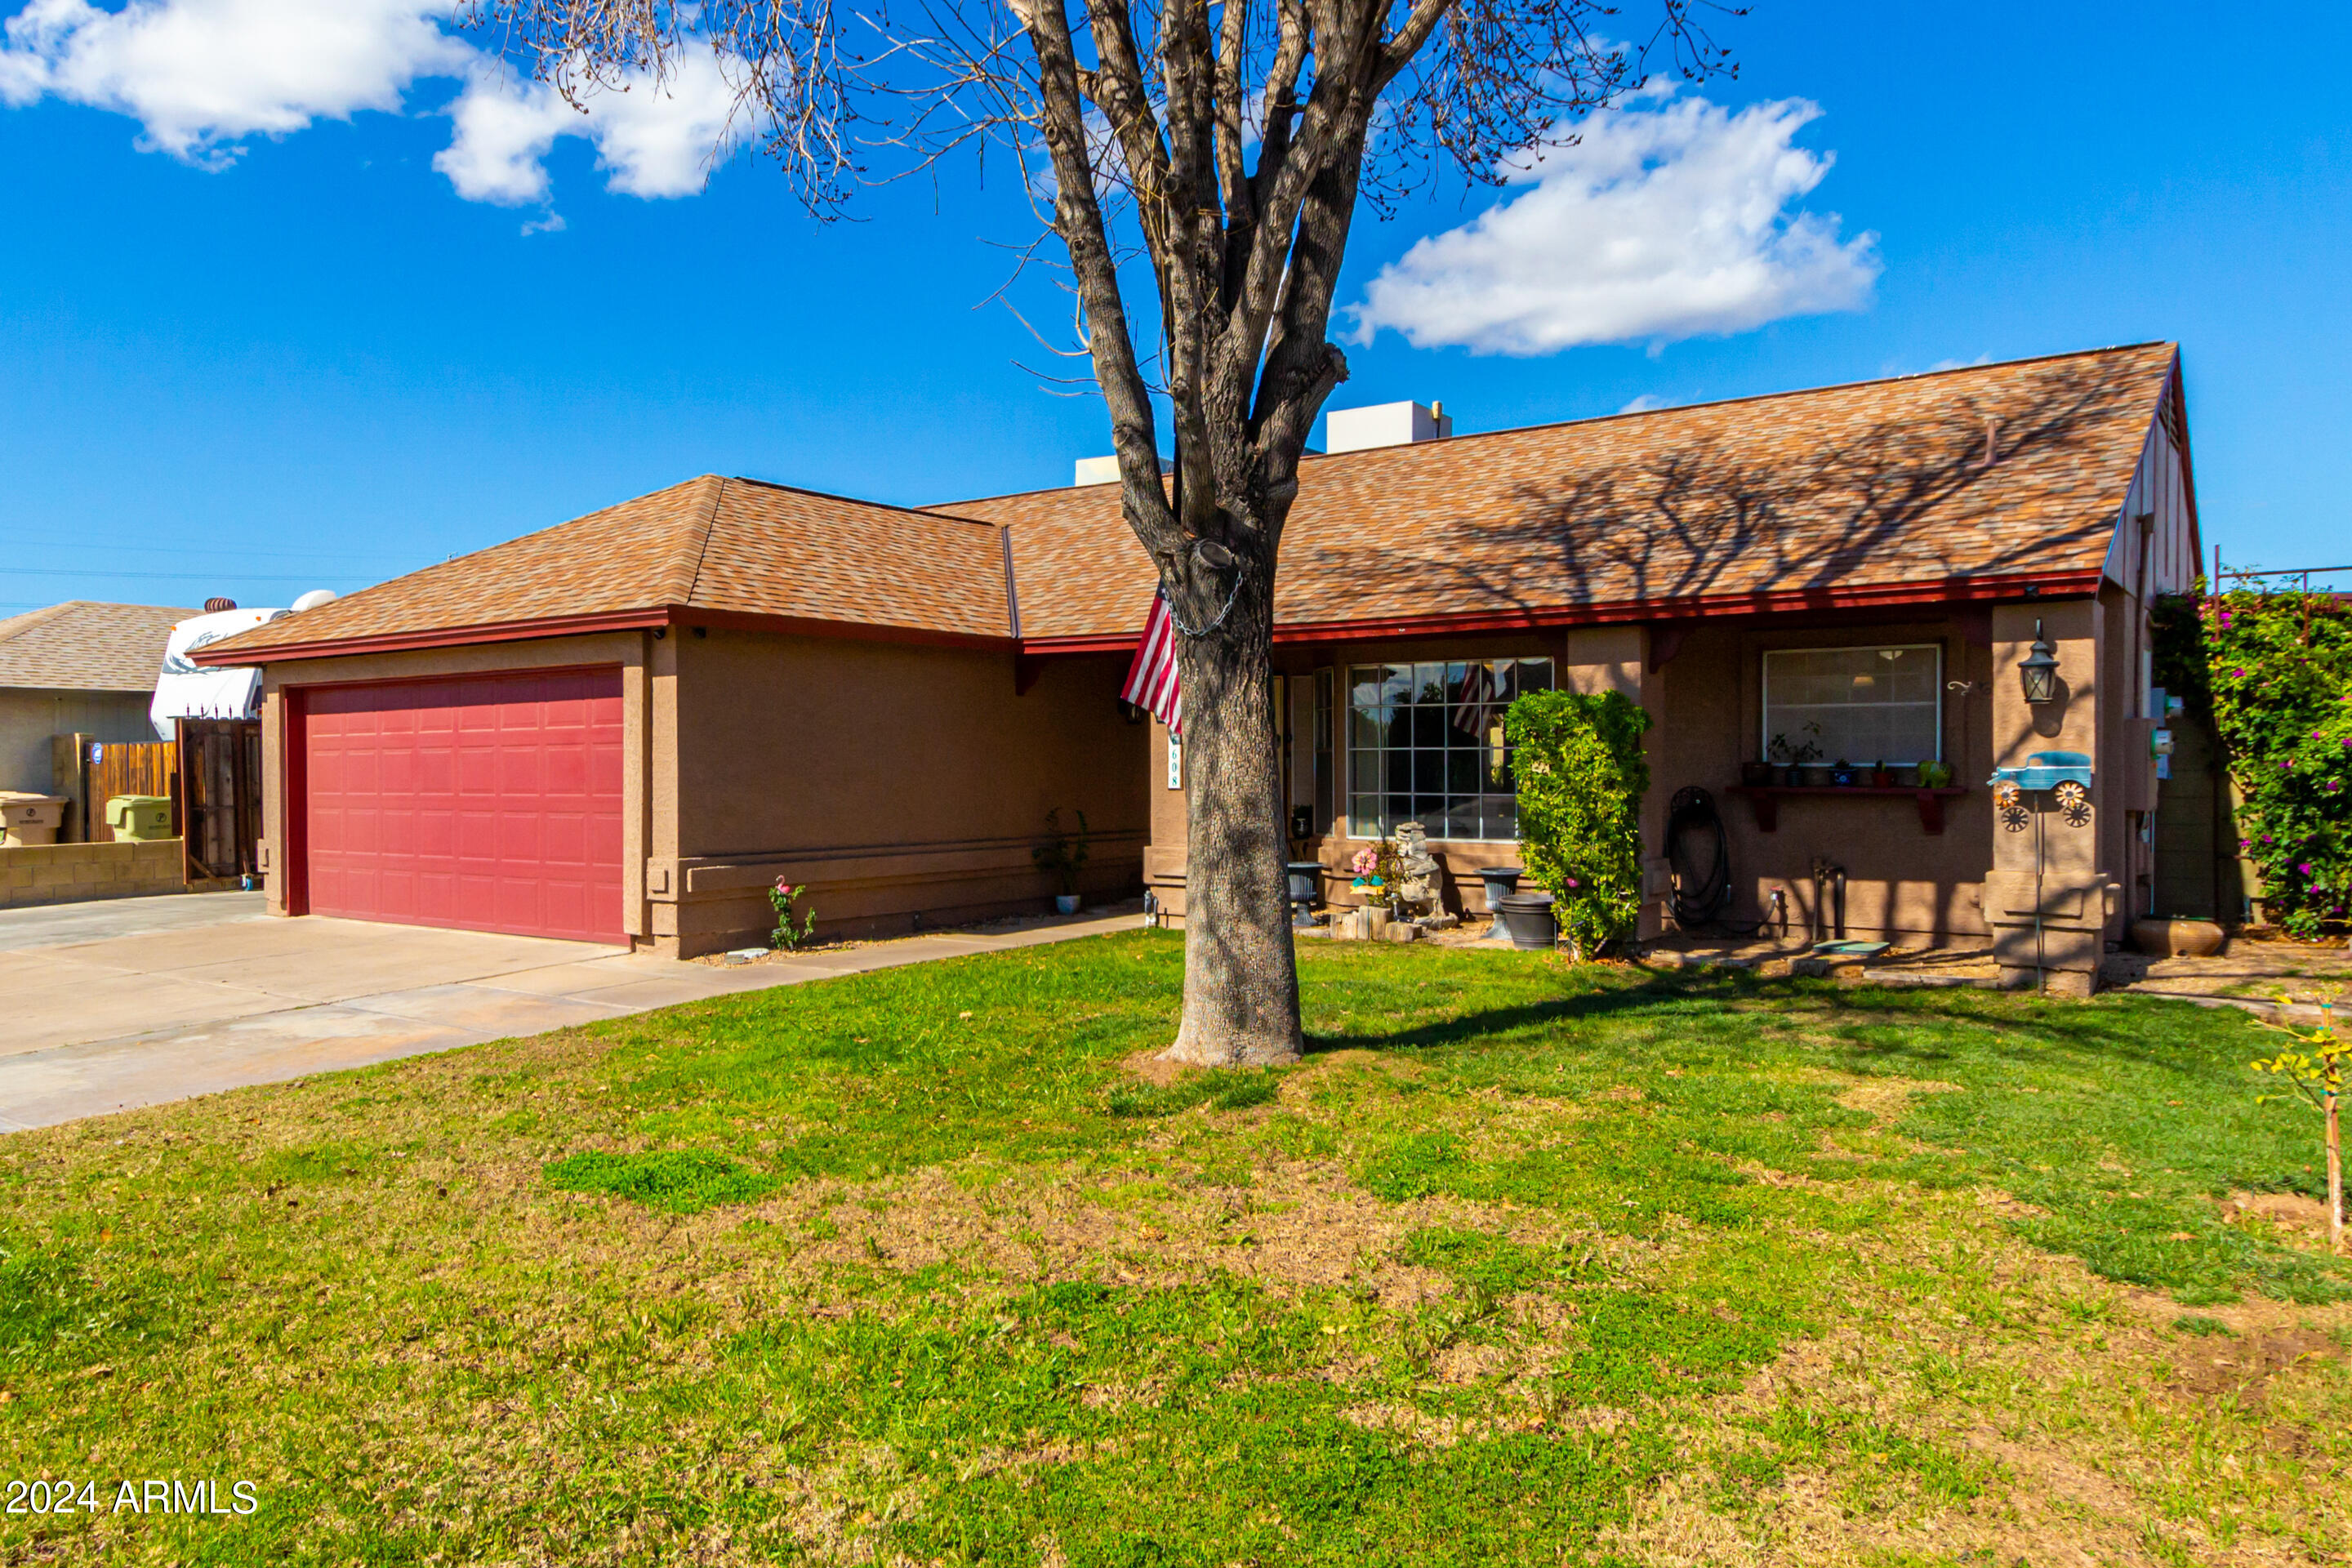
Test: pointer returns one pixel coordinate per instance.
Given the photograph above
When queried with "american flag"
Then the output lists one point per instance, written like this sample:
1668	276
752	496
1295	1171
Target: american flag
1152	679
1475	698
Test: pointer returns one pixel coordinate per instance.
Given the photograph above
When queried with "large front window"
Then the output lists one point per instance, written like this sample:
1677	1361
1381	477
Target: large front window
1425	744
1859	705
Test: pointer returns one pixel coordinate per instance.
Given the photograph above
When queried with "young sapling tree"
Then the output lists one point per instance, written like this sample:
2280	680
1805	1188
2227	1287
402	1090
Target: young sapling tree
2315	1073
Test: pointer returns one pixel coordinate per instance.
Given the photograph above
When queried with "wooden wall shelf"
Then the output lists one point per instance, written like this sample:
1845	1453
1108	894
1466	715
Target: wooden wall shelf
1765	800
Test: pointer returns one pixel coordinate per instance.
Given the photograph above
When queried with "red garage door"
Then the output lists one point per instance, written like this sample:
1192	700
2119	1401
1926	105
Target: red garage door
490	803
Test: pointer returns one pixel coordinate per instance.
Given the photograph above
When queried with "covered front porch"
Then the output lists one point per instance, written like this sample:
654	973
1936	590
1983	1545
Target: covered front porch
1384	731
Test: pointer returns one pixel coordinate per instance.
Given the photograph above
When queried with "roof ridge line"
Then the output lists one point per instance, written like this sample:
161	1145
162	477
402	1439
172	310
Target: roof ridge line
922	512
710	527
943	508
39	615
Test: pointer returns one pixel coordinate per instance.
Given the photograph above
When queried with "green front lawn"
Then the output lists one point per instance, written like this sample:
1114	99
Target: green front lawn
1527	1262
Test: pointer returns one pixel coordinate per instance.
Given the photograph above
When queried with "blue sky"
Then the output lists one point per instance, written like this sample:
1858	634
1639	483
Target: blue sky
298	355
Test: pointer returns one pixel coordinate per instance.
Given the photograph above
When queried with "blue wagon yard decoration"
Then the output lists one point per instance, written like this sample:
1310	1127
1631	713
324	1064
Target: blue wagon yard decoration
2064	775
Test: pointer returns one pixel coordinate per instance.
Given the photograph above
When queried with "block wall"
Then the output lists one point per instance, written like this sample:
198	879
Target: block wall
70	873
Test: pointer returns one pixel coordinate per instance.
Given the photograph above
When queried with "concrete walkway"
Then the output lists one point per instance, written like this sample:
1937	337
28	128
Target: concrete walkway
141	1001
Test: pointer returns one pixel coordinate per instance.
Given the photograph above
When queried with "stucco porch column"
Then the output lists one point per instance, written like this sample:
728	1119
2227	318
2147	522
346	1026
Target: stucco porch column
1617	659
2075	891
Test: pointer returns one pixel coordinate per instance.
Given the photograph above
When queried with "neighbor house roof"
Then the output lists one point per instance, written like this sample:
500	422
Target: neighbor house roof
85	646
1965	483
1840	495
717	547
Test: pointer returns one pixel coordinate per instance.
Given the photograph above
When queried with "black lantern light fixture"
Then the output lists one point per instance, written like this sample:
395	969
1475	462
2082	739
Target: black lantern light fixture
2039	670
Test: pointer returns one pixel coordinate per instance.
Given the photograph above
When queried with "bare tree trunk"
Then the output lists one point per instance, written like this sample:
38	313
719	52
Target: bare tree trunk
1161	105
1241	979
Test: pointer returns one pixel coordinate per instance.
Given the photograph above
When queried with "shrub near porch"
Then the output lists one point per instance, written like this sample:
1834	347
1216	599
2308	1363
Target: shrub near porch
1528	1262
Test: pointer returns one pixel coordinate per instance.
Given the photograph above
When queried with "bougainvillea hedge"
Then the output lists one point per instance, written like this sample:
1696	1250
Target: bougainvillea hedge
2274	672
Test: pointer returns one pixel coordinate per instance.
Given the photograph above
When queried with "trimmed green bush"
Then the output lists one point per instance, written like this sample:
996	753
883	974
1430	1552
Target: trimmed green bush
1582	776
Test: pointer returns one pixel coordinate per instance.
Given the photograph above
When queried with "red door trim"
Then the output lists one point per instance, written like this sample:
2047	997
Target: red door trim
296	803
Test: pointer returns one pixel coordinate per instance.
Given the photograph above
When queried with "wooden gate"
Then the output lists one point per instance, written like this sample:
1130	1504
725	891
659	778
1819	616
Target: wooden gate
219	797
128	767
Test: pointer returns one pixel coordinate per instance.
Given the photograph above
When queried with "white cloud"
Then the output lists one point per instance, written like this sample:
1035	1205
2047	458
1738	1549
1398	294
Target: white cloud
1660	224
201	76
1643	404
653	140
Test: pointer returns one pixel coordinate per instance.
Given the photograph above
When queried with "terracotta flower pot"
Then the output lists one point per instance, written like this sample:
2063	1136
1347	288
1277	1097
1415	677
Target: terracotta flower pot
2177	939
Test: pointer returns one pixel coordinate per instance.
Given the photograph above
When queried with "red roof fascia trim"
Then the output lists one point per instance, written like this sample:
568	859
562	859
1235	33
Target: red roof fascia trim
1951	590
575	626
1113	642
436	637
751	621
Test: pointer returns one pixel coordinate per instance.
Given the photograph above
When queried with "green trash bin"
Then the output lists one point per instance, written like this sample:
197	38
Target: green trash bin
139	817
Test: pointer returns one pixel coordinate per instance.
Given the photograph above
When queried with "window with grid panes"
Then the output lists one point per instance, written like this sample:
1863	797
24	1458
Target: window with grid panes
1425	744
1858	705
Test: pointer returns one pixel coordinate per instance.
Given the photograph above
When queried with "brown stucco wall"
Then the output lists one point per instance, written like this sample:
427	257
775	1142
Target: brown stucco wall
897	781
1903	883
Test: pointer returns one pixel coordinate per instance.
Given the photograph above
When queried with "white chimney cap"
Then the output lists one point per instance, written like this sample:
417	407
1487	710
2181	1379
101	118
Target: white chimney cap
1104	470
1388	424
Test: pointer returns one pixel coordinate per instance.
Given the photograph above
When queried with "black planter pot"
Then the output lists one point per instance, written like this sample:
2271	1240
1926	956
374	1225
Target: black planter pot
1501	882
1528	917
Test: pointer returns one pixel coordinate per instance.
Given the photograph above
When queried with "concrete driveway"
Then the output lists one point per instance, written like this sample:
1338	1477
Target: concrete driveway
140	1001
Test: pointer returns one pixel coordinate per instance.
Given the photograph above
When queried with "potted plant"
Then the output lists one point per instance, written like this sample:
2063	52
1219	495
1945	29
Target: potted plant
1844	775
1808	770
1780	758
1375	879
1064	856
1875	774
1935	775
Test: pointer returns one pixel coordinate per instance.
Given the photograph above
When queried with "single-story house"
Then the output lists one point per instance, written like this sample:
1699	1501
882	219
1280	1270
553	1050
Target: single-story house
628	726
80	668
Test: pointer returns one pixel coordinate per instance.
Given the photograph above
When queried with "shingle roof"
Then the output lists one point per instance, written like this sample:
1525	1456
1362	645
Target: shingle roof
1844	488
86	646
737	546
1876	482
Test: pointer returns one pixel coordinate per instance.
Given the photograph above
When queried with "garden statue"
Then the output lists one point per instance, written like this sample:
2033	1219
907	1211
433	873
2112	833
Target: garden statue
1419	891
